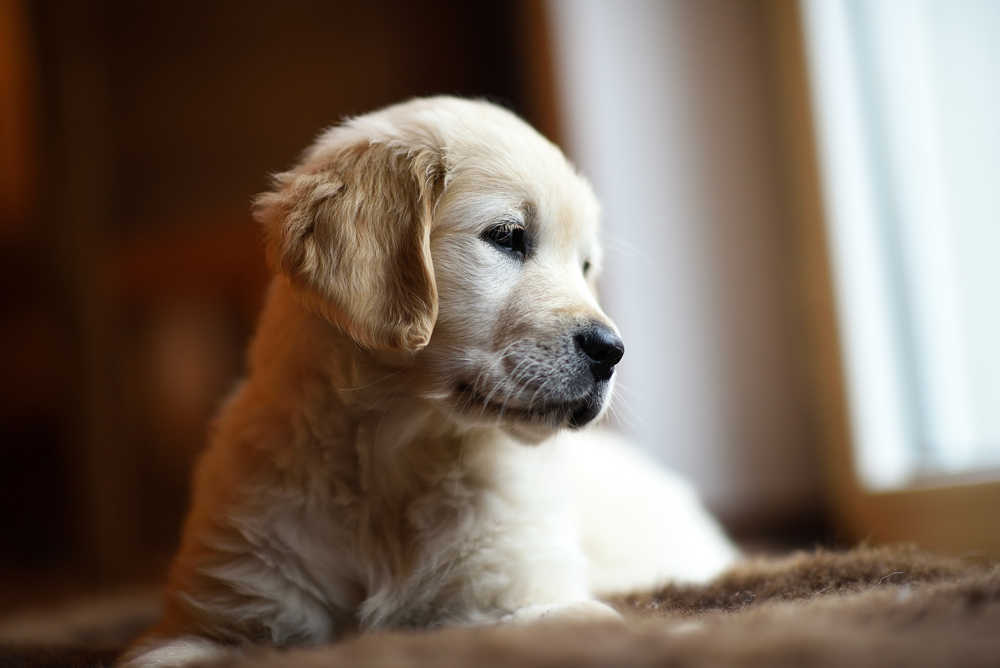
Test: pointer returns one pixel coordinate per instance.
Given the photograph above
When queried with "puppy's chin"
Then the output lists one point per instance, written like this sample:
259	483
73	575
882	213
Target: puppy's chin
532	427
532	434
529	434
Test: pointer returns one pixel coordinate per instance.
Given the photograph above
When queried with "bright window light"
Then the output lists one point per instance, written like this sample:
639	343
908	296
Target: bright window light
907	101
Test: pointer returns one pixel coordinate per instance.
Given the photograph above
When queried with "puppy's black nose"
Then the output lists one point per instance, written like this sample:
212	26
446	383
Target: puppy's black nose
603	348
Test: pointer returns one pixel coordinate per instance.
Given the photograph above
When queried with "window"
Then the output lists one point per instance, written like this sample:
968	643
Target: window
906	95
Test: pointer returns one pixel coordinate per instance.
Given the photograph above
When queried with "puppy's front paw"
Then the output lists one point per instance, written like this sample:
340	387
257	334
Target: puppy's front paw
173	653
574	611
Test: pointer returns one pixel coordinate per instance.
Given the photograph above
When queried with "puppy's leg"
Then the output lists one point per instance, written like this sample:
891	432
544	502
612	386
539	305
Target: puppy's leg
173	652
530	538
640	525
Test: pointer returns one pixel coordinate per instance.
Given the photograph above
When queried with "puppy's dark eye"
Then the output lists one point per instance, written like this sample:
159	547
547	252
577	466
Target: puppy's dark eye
586	267
508	237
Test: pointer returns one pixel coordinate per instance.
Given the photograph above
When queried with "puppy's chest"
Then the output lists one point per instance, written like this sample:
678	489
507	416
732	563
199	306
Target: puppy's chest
392	495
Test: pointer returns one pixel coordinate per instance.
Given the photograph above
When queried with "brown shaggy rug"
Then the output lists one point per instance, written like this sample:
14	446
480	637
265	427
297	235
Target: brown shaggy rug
864	607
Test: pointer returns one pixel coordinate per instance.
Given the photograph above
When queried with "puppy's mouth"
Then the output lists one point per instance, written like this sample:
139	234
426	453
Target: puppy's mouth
588	410
574	413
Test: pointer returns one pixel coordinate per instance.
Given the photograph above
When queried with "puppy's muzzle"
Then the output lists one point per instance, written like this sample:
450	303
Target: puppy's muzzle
603	349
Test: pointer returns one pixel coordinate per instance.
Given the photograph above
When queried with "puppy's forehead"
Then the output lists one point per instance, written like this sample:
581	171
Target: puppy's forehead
495	163
509	166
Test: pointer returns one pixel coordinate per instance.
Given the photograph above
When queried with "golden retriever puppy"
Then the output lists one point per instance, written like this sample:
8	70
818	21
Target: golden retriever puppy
433	317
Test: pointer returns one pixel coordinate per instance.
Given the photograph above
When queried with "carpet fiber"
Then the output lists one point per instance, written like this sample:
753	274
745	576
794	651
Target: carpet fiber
864	607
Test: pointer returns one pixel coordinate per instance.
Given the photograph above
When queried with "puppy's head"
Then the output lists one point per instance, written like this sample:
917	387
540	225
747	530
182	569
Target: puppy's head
452	230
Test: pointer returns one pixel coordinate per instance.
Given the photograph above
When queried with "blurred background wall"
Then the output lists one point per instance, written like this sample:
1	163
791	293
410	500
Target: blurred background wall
136	134
671	109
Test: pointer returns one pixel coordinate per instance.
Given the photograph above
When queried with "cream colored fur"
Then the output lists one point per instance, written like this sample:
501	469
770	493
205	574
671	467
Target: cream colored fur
389	462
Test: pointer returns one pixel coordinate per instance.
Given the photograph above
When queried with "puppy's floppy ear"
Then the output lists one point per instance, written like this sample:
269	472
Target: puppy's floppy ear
351	230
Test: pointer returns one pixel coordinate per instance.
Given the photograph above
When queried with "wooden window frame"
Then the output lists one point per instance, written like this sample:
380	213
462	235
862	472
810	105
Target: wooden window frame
956	514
